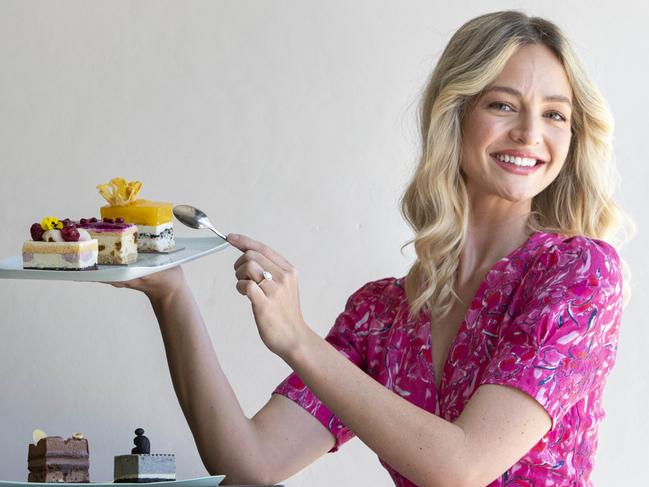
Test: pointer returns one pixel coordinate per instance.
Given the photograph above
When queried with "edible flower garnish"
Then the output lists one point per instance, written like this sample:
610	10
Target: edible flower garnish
51	223
118	192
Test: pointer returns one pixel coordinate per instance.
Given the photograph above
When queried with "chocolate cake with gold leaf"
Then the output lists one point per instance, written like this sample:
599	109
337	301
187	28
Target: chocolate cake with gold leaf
55	459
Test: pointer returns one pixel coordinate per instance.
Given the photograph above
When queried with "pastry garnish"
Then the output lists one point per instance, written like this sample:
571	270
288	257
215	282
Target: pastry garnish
38	435
53	236
78	436
51	223
118	192
51	229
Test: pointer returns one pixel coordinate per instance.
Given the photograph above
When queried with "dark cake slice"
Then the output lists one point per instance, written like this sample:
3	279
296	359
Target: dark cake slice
54	459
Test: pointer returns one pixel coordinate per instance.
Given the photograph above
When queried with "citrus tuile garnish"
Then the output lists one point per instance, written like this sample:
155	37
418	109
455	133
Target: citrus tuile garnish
38	435
118	192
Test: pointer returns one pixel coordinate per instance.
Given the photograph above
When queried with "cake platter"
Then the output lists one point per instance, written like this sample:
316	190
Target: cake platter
198	482
190	248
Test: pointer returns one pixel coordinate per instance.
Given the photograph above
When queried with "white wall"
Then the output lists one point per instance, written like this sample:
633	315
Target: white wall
290	121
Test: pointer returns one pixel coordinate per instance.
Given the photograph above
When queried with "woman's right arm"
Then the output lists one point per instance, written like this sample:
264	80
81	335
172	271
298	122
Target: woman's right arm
280	440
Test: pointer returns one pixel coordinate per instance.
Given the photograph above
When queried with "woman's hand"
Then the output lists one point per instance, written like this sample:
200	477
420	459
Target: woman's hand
276	302
156	286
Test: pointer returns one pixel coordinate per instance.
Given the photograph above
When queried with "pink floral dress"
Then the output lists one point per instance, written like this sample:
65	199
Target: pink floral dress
545	320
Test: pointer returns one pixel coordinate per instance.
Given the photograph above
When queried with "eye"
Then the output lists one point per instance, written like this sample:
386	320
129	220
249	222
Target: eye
557	116
500	105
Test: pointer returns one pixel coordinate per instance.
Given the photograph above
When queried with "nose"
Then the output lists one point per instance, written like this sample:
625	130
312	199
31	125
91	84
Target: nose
527	129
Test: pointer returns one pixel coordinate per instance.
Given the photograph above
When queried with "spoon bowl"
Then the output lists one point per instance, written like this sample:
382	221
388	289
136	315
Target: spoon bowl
195	218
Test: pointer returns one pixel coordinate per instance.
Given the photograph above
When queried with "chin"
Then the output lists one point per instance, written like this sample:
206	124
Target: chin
517	197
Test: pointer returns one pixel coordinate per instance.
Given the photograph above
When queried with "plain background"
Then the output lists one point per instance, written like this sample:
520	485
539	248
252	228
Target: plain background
290	121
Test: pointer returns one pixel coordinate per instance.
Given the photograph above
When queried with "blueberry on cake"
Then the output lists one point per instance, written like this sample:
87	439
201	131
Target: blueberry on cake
55	459
59	245
142	466
153	219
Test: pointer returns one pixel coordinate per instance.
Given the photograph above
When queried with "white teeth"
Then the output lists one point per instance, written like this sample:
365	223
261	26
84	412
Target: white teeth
519	161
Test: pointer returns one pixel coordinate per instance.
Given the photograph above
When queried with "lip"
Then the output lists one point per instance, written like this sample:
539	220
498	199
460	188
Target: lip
516	153
516	169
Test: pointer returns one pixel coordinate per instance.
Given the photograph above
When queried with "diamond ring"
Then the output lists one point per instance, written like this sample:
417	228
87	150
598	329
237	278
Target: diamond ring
267	276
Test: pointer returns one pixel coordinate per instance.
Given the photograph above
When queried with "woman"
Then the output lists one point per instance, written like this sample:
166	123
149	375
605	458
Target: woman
485	365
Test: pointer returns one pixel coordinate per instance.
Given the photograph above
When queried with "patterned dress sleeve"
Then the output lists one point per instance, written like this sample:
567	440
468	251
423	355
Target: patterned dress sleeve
348	336
559	339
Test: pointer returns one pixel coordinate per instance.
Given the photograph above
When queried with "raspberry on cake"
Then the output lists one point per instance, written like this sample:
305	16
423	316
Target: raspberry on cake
54	459
153	219
117	240
59	245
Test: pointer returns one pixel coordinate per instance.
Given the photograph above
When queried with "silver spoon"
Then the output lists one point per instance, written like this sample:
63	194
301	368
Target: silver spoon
195	218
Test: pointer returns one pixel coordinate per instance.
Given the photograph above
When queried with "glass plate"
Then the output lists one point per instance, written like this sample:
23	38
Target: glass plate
147	263
198	482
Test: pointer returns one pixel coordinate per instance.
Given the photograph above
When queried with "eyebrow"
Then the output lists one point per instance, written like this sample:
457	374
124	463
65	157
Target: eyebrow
515	92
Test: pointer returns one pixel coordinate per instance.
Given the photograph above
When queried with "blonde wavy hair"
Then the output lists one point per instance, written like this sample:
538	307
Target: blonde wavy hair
435	204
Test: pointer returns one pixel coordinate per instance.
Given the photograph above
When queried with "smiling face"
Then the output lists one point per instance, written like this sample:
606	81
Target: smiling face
516	135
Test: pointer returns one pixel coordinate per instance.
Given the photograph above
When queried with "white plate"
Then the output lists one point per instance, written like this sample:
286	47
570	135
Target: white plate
192	248
199	482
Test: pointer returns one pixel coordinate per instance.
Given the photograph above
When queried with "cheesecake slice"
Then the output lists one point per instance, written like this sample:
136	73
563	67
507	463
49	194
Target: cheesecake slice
59	245
144	468
117	240
65	256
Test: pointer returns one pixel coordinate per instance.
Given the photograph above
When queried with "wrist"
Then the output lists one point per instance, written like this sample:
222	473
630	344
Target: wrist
304	350
165	291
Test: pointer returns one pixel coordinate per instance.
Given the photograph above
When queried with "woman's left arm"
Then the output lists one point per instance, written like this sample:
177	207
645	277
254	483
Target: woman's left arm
498	426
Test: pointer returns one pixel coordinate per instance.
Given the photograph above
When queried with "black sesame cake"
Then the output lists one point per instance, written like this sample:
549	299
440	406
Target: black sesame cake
141	466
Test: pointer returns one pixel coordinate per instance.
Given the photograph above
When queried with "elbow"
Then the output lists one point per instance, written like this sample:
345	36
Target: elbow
458	473
463	476
457	481
448	482
248	477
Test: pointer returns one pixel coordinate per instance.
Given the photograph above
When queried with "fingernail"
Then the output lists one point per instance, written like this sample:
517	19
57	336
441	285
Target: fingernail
233	236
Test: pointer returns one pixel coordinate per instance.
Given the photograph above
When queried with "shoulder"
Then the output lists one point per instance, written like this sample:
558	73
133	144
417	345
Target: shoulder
573	289
563	249
576	256
373	299
377	294
378	299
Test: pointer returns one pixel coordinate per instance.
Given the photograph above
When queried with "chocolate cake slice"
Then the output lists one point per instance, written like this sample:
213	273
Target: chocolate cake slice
54	459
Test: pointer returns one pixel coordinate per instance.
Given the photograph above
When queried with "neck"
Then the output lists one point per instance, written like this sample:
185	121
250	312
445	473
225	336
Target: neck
496	228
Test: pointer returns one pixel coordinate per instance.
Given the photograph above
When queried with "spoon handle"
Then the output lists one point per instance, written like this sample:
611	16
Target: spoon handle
218	233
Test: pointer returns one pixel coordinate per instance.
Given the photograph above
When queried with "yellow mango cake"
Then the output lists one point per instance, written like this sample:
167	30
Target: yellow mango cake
154	219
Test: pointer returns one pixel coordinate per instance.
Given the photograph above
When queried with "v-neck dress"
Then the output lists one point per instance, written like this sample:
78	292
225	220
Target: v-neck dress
545	320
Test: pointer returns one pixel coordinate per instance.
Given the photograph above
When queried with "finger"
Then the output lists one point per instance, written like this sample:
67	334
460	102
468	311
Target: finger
250	270
262	264
257	277
244	243
249	288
